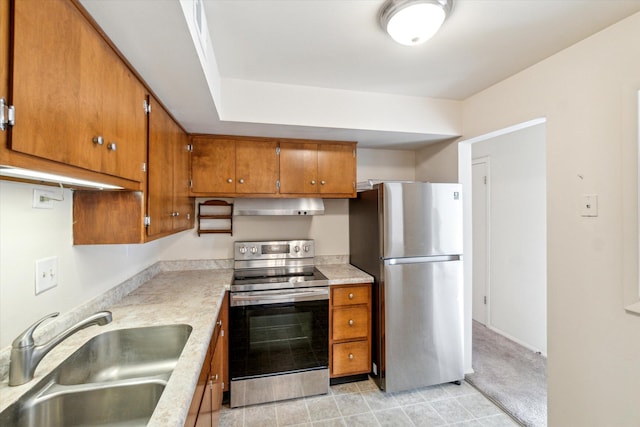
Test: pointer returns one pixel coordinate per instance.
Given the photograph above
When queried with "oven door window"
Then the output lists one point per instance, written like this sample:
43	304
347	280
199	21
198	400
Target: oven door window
278	338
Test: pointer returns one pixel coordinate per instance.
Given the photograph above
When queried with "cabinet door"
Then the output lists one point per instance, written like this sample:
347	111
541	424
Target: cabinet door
124	121
217	376
160	173
183	205
213	165
57	73
337	169
4	60
77	102
298	168
257	167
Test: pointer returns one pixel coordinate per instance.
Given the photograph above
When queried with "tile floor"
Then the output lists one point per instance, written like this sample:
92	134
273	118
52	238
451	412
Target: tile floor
363	404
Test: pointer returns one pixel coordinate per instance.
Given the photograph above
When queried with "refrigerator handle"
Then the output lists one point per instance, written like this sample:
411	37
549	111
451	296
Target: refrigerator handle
421	259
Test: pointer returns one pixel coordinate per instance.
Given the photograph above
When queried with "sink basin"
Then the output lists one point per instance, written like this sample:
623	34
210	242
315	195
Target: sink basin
114	379
127	405
125	353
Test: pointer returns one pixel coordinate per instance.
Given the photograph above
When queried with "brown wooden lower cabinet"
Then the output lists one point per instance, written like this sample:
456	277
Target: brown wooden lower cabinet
207	398
350	330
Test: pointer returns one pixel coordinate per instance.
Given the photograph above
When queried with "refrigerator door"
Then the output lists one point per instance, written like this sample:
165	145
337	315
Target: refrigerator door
421	219
423	317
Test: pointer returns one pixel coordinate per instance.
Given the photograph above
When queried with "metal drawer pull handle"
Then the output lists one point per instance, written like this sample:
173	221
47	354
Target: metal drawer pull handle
219	323
351	322
111	146
229	180
323	182
98	140
241	181
313	182
350	296
350	356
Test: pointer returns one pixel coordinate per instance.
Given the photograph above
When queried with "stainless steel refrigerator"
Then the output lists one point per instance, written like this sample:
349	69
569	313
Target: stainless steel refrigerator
408	235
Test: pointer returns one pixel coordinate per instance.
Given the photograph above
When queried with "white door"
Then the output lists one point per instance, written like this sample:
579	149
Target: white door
480	212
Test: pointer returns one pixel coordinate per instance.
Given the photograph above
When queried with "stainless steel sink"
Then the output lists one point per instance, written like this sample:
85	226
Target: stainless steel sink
115	379
123	405
125	353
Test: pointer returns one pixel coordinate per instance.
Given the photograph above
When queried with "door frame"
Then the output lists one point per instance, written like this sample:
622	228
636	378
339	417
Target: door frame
486	160
465	178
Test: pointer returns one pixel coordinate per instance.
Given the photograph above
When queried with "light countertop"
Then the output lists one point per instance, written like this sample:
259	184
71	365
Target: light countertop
191	297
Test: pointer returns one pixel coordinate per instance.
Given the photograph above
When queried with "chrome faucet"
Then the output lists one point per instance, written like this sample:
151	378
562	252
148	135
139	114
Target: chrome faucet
25	355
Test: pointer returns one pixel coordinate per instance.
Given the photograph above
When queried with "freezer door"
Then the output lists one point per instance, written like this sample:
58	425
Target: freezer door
421	219
423	324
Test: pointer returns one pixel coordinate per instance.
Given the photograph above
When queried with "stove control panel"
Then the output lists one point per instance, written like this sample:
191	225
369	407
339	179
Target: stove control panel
274	249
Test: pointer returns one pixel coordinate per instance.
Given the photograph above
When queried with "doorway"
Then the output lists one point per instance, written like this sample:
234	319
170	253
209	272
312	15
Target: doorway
505	267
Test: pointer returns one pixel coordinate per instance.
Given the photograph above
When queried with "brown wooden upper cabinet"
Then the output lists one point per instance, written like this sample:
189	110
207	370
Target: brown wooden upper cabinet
266	167
169	209
233	166
323	169
77	103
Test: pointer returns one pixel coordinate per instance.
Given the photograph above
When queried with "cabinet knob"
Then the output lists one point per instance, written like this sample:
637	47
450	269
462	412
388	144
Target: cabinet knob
111	146
351	295
323	182
351	322
350	356
313	182
241	181
98	140
215	377
219	323
229	180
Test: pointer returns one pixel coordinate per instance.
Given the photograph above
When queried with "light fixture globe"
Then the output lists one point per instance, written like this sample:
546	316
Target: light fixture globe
412	22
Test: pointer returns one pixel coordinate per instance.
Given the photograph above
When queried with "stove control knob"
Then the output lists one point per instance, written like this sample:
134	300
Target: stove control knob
254	250
243	249
296	249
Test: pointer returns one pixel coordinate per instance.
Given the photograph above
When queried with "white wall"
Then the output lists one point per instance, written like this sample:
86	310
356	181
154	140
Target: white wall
587	94
437	162
386	164
28	234
518	238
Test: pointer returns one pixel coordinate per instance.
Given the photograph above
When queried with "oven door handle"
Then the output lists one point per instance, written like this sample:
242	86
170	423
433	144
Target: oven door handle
280	296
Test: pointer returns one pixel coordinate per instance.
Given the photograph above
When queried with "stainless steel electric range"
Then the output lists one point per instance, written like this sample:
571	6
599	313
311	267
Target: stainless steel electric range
278	323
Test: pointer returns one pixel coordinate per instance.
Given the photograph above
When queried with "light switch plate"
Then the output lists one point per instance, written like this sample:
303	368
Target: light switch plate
590	205
46	274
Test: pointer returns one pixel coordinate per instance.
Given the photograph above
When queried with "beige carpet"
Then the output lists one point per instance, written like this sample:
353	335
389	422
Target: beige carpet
512	376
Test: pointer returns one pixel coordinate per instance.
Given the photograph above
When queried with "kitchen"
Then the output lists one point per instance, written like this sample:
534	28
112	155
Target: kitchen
28	234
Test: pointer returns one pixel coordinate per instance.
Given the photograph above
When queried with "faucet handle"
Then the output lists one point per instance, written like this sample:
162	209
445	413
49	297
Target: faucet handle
25	339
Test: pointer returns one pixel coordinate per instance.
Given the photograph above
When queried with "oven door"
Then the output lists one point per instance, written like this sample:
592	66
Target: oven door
278	332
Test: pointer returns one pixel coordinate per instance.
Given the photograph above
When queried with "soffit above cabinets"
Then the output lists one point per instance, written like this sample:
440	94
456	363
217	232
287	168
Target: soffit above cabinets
301	69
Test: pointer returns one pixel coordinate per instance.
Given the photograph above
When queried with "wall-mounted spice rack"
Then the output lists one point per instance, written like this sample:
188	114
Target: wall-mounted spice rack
215	216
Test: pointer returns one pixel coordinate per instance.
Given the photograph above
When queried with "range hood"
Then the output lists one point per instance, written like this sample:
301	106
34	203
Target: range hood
308	206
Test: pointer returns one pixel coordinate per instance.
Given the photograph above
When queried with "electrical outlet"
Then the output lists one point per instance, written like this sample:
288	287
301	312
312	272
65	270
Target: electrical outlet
46	274
42	199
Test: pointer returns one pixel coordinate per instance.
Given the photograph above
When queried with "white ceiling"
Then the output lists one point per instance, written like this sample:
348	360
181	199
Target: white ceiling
338	44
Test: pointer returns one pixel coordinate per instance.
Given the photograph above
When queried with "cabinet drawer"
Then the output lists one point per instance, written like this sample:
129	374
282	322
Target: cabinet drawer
350	323
350	295
350	358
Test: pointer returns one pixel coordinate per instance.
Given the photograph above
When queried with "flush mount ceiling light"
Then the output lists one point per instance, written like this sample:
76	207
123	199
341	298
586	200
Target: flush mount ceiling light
412	22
